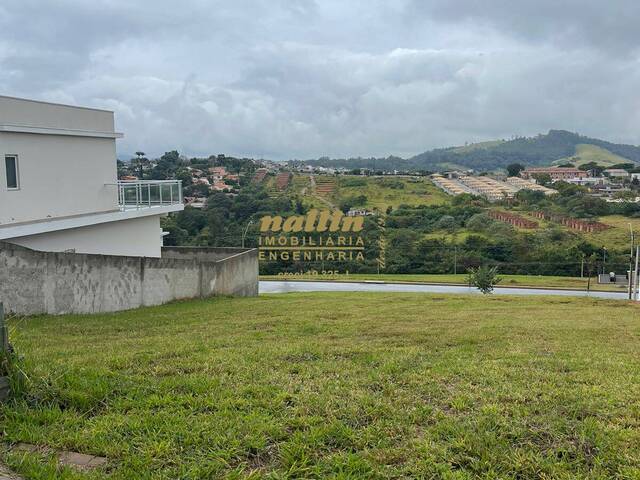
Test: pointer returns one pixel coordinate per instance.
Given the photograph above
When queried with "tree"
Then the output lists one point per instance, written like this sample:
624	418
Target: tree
177	235
484	278
592	167
184	175
514	169
479	222
139	162
590	264
447	222
542	179
530	197
167	166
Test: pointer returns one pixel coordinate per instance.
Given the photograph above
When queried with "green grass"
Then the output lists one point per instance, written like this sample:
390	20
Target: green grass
618	236
537	281
586	153
353	385
379	195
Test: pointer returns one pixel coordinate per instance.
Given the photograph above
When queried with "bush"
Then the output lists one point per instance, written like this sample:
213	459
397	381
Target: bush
354	182
479	222
447	222
392	183
484	278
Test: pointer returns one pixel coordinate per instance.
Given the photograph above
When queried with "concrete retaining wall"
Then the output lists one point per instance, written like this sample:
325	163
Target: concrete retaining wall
33	282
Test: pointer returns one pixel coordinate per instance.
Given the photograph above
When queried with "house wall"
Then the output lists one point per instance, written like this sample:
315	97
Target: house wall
63	163
139	237
20	111
59	176
33	282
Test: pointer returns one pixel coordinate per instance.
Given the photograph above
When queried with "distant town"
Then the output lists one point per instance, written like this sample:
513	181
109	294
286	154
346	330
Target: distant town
619	184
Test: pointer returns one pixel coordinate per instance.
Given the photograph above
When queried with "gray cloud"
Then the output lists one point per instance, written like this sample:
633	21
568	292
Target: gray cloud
297	79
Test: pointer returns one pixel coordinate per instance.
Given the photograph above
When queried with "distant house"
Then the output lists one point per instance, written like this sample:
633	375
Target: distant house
616	172
195	202
218	172
556	173
220	186
588	181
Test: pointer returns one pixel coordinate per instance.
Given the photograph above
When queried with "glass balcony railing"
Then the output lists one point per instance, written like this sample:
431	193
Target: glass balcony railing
137	194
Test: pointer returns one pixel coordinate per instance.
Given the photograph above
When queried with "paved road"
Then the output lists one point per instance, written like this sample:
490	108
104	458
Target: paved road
268	286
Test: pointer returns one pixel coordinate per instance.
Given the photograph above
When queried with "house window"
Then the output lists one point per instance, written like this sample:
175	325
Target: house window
11	165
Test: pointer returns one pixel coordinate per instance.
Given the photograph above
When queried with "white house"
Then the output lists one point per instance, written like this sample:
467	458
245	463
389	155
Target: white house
59	189
616	172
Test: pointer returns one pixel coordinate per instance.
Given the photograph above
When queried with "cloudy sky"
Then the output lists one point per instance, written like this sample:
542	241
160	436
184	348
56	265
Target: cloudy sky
288	79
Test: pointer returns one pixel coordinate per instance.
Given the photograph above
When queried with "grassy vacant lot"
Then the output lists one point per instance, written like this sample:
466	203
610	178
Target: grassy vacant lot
539	281
618	235
337	385
381	194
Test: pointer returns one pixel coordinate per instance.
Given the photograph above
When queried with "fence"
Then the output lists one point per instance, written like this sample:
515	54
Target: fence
136	194
33	282
573	223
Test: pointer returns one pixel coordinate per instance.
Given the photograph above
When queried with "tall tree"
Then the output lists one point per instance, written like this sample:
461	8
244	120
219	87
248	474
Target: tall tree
514	169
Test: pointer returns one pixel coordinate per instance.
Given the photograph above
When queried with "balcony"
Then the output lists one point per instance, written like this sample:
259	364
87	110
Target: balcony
138	194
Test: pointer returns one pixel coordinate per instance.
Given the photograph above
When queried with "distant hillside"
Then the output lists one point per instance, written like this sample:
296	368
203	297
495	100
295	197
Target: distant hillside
586	153
557	146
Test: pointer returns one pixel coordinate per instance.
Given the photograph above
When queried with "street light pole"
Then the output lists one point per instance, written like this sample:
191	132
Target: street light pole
635	275
455	259
244	234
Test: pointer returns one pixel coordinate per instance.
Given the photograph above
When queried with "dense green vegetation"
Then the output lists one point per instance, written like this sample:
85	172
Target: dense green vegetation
335	386
428	238
426	231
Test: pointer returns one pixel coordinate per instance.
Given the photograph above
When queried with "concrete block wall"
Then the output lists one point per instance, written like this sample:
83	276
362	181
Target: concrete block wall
33	282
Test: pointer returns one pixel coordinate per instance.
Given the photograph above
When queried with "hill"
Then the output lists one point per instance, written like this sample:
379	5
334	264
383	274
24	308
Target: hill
586	153
557	146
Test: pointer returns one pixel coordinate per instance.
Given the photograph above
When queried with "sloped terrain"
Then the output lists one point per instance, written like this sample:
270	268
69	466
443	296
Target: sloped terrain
586	153
540	150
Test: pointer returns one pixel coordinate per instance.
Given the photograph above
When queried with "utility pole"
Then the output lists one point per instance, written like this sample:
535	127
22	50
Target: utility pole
636	280
455	259
582	266
631	281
